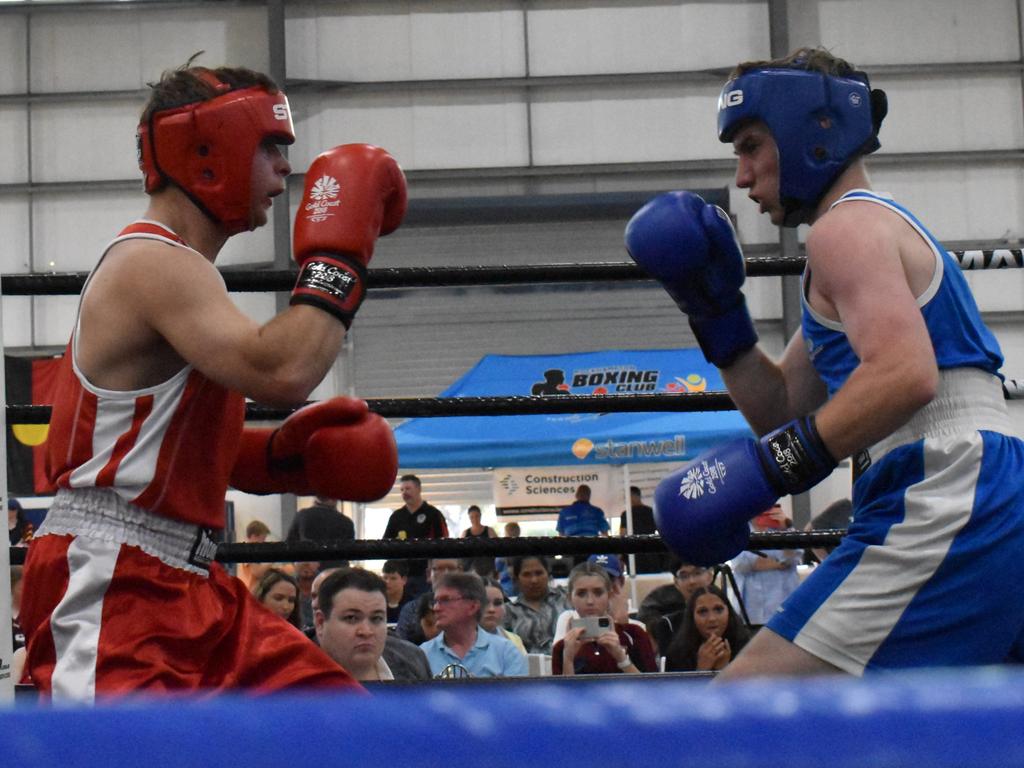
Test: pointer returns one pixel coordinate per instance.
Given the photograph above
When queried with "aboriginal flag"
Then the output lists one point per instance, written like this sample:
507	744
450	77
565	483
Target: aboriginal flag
30	381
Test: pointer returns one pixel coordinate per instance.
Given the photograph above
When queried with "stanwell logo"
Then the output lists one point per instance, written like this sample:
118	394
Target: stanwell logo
322	197
281	112
612	449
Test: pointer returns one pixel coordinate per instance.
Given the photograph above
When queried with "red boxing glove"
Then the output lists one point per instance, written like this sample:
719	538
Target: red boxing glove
354	194
335	448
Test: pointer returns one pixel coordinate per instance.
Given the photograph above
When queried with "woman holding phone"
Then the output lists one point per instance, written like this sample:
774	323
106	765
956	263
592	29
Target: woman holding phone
594	643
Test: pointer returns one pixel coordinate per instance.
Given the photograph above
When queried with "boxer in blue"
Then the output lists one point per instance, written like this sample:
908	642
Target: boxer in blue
892	366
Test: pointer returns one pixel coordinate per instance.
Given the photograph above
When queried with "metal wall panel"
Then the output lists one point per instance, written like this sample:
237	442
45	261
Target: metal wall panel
589	38
418	40
89	51
923	31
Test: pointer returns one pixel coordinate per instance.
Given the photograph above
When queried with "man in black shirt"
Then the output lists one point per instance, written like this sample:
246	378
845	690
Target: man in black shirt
322	522
643	524
416	520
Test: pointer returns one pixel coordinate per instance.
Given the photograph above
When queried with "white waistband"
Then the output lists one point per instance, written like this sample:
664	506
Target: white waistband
968	400
99	513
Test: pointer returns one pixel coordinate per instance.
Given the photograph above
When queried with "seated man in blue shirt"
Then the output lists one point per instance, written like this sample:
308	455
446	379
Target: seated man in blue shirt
459	600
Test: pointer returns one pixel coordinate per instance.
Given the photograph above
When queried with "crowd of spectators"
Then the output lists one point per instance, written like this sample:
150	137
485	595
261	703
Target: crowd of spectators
485	617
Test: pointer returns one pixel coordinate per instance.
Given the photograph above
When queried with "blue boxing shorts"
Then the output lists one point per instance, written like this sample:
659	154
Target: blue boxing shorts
930	571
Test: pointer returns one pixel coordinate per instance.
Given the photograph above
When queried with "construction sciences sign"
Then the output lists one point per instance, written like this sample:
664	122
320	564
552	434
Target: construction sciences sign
539	493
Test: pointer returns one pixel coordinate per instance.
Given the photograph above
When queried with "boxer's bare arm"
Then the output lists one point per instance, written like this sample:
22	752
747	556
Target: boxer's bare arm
151	307
769	393
867	266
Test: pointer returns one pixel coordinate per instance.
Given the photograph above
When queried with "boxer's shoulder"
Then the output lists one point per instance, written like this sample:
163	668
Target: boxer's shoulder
850	236
149	274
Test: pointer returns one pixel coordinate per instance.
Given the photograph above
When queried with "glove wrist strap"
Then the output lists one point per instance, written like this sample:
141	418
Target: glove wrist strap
795	457
725	337
333	283
283	463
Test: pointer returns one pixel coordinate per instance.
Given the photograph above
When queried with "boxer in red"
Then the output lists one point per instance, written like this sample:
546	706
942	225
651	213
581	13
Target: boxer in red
148	432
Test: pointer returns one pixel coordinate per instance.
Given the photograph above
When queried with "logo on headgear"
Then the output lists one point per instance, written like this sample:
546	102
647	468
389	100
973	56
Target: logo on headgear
323	196
281	112
731	99
855	99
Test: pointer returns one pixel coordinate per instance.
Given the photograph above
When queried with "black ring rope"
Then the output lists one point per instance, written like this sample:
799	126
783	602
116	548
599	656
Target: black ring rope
546	546
64	283
427	407
409	407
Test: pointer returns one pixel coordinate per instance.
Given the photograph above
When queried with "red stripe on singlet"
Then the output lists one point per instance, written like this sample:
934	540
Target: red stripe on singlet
146	228
78	428
143	407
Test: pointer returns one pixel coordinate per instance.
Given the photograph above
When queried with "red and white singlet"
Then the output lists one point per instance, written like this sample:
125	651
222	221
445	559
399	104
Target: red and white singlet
168	449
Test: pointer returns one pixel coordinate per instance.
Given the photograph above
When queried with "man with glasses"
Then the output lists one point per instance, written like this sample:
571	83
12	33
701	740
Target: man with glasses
408	626
459	600
662	610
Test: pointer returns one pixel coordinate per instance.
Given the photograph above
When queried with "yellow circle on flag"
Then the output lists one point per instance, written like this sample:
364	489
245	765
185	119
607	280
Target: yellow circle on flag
30	434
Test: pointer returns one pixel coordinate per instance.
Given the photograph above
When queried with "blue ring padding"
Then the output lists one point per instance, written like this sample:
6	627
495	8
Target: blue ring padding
924	720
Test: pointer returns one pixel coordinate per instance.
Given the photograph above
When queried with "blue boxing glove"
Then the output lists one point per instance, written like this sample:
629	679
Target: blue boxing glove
691	248
702	510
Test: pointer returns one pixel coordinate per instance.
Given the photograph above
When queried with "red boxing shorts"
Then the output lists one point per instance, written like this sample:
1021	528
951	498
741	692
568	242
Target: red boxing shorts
118	600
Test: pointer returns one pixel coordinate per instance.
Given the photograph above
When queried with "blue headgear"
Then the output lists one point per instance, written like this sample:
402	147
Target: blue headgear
820	124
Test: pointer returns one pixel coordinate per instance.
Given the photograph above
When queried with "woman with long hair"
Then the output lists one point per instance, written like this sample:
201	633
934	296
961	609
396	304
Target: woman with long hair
279	592
711	634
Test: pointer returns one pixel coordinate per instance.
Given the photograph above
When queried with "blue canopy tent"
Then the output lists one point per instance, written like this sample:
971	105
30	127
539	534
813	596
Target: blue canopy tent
572	439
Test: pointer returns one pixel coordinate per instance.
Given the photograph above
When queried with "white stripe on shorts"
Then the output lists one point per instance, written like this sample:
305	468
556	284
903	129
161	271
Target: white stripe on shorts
848	628
75	622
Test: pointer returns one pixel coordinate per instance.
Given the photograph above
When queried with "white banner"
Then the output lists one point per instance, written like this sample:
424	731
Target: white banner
539	493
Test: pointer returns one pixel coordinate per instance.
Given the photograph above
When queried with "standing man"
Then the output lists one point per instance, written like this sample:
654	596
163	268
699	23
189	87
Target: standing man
581	518
395	574
508	584
767	577
416	519
459	600
643	525
892	366
256	532
147	429
323	522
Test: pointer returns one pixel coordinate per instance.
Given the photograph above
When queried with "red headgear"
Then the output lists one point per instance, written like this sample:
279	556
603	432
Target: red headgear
206	148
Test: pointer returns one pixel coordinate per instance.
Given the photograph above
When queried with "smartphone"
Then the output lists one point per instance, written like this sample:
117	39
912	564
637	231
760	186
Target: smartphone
593	626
